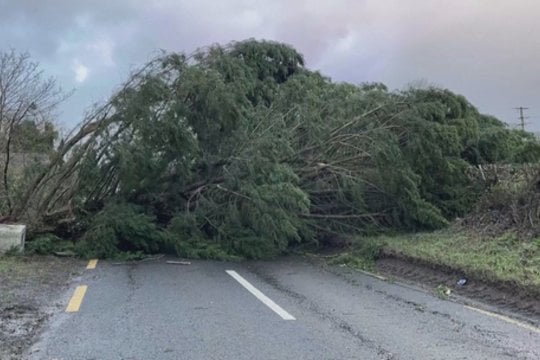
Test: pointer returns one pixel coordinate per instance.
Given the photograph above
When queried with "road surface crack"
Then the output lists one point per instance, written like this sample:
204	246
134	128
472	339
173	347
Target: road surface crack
338	323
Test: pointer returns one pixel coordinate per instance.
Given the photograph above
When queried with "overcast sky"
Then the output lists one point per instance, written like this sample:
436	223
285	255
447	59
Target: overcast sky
487	50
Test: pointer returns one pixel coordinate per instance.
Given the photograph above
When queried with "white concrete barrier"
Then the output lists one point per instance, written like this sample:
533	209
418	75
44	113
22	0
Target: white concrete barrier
12	236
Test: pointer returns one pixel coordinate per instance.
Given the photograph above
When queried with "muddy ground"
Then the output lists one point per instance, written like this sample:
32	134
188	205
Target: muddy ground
505	297
30	287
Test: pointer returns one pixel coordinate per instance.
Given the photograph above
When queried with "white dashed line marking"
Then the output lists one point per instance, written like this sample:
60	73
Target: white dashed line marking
259	295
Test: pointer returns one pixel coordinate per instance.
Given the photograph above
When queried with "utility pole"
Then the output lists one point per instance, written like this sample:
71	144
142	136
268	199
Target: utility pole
521	116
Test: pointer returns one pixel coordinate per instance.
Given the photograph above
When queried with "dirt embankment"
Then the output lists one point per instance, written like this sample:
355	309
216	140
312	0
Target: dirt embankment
506	296
29	287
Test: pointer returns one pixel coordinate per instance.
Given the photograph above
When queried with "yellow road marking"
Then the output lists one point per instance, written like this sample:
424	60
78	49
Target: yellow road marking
91	264
76	299
506	318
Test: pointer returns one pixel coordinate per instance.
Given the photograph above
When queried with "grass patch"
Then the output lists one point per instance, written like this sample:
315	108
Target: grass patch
502	259
14	265
23	267
14	272
27	277
362	256
442	292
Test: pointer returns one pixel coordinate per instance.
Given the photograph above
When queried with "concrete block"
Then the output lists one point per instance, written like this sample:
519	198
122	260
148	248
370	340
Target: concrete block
12	236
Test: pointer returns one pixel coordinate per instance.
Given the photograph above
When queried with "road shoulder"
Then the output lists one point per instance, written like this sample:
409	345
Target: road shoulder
30	287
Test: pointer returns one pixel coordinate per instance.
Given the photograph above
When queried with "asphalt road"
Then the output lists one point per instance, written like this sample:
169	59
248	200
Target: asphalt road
156	310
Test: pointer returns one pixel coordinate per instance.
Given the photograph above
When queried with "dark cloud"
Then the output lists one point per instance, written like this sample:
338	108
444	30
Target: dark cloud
486	49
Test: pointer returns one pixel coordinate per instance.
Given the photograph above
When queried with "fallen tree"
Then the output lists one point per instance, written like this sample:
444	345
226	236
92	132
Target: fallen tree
241	150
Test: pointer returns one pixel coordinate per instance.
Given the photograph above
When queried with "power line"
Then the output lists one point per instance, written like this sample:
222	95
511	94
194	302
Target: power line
521	116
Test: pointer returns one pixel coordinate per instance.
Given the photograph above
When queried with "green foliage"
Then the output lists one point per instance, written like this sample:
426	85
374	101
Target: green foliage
28	137
240	150
187	240
268	59
362	255
120	227
263	211
443	292
46	244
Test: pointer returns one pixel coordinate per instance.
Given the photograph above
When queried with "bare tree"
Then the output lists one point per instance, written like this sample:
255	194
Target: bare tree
47	197
25	95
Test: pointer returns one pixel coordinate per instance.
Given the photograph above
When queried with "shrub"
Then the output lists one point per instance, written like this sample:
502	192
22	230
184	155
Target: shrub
45	244
120	227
